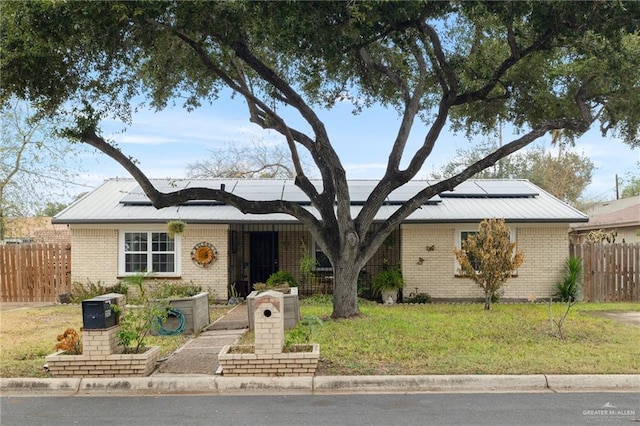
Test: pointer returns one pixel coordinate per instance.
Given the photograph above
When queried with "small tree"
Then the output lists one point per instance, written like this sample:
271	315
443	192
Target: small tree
568	291
489	257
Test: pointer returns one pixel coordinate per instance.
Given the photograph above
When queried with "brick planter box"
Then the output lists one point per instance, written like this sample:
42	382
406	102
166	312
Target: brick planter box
195	310
291	308
238	361
112	365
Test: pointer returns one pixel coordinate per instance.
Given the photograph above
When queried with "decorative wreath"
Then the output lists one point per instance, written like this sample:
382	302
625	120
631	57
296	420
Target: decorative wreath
204	254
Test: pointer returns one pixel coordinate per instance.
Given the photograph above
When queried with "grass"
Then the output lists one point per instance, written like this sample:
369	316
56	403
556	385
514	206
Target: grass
398	339
465	339
28	335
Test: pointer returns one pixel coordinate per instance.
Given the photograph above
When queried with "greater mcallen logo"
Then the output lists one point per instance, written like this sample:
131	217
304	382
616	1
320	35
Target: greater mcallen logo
609	410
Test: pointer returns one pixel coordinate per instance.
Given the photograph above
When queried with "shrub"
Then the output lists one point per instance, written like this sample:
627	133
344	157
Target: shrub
307	263
303	331
568	288
137	280
419	298
80	291
166	290
136	324
281	278
69	341
489	257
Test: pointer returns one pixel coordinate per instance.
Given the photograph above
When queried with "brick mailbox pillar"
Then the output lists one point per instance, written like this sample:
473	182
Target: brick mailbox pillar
269	323
100	342
266	356
100	324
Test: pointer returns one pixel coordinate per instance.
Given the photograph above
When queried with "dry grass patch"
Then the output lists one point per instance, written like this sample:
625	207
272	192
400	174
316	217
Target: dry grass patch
27	335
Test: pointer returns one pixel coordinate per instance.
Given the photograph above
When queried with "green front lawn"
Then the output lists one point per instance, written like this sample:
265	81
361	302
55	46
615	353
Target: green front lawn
465	339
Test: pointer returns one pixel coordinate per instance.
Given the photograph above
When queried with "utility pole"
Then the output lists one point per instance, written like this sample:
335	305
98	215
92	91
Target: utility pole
617	188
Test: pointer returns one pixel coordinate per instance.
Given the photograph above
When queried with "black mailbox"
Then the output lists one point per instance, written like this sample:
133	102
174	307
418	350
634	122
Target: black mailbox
98	313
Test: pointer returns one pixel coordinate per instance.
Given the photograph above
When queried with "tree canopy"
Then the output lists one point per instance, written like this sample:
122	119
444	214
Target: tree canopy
542	66
564	174
631	184
32	157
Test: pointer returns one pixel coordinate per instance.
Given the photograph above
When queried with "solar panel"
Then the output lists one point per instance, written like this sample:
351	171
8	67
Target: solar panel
410	189
491	189
359	190
139	198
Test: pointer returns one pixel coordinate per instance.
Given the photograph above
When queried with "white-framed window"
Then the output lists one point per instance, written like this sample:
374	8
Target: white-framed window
322	261
462	234
141	251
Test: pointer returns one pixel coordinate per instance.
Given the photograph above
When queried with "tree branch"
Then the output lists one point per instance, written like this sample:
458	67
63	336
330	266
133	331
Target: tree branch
385	70
515	57
160	200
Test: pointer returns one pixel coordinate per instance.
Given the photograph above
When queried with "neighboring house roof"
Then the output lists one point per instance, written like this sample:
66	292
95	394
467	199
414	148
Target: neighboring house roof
36	229
122	201
612	214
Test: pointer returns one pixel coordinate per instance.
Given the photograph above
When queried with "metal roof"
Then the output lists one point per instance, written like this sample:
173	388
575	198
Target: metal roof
122	201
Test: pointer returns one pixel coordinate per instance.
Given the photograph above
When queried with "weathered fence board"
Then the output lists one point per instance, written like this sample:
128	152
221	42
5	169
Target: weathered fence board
34	272
611	271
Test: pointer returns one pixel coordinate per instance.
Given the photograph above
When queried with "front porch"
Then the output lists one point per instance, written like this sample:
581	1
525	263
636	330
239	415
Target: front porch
258	250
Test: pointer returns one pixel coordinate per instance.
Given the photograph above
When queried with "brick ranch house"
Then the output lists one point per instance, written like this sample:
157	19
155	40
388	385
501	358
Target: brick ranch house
115	232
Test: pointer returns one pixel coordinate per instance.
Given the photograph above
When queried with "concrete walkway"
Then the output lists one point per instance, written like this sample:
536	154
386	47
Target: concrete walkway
200	355
631	318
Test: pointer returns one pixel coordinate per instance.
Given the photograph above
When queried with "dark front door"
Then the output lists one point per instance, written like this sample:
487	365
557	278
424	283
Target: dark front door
263	256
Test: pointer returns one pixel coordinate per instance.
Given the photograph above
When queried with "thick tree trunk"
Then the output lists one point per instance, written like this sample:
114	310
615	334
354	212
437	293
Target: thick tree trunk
345	292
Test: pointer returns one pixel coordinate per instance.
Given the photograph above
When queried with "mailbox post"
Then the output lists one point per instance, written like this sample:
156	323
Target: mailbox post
100	324
98	313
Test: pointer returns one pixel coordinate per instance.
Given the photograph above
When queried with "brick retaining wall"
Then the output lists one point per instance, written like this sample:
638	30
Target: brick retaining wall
271	365
113	365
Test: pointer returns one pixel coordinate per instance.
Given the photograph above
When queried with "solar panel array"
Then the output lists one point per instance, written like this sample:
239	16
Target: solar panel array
122	201
359	190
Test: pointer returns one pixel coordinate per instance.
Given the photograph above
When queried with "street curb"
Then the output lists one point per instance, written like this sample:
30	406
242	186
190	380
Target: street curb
59	387
258	385
148	385
444	383
587	382
205	384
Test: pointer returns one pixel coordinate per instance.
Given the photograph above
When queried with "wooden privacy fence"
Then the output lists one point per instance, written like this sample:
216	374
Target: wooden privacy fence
611	271
34	272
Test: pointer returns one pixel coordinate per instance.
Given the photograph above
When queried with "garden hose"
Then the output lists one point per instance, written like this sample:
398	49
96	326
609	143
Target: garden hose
171	312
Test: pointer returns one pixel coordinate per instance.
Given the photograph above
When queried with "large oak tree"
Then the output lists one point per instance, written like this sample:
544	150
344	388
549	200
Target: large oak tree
542	66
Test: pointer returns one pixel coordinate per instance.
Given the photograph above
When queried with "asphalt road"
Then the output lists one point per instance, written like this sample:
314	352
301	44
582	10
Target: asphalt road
352	409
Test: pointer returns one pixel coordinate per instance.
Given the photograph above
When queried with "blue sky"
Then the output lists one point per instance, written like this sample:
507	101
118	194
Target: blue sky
166	142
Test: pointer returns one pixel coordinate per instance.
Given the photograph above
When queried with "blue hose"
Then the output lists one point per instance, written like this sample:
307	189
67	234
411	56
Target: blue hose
171	312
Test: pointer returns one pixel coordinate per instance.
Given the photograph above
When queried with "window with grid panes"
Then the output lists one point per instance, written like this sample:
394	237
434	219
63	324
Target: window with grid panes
149	251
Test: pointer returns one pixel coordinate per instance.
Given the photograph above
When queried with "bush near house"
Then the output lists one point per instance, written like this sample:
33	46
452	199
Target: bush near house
489	257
